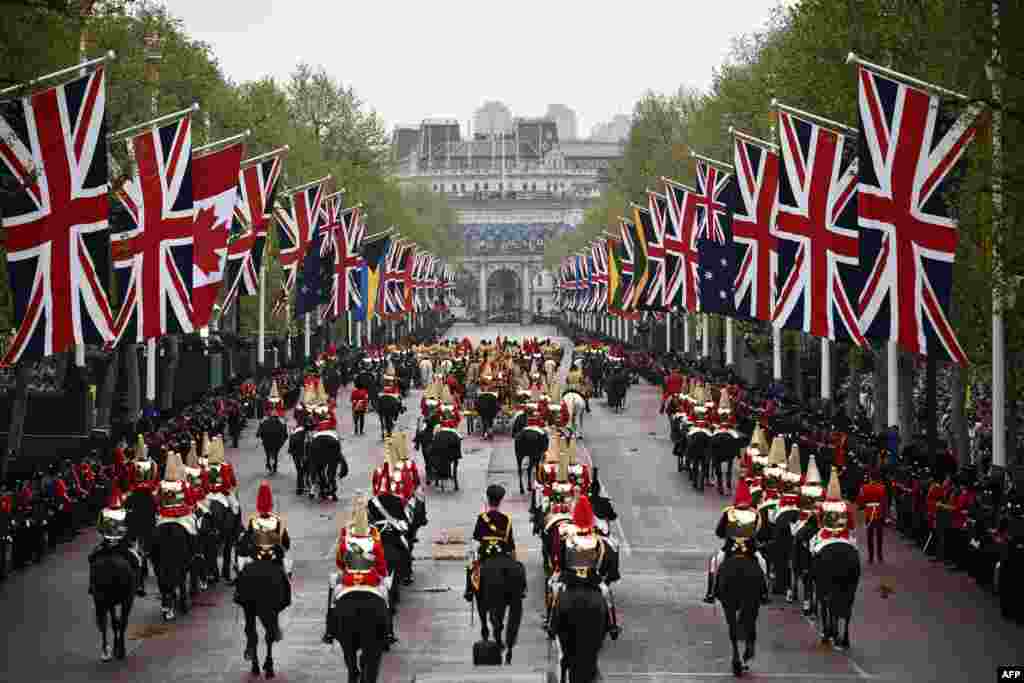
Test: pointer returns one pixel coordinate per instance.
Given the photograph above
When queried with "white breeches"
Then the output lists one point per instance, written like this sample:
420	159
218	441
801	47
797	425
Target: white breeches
719	557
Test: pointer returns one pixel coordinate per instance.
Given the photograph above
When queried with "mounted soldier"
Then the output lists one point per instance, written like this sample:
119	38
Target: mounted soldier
493	535
579	473
112	527
413	495
580	560
362	568
487	400
811	495
738	525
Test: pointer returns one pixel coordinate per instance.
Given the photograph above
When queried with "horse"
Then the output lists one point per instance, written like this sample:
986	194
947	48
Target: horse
263	592
445	453
172	554
426	372
739	590
780	551
387	513
227	526
502	589
577	405
616	385
273	434
724	449
802	561
297	449
141	522
487	407
324	453
388	409
362	624
114	578
697	453
530	444
580	623
836	569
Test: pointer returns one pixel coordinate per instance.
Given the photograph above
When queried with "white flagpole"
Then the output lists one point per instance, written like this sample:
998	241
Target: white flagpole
993	71
668	332
686	334
826	370
306	325
261	345
776	353
348	326
730	352
892	413
706	340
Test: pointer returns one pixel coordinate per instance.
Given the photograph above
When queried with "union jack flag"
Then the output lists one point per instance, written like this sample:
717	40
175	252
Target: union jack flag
910	148
257	190
154	251
711	212
757	179
683	287
348	240
626	273
599	252
53	169
295	229
395	278
816	225
654	233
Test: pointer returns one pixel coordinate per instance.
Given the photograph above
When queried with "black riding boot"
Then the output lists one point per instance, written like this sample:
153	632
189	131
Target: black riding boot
329	634
468	595
710	597
587	402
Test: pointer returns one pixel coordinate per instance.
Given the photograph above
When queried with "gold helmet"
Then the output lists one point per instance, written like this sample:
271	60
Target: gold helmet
141	451
360	521
174	470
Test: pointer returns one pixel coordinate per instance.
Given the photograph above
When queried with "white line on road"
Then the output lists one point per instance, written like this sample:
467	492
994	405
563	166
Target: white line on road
861	673
720	674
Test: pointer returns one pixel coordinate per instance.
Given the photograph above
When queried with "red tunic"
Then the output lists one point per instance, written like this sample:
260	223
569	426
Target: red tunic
961	505
382	480
148	485
360	399
563	417
673	385
374	576
875	501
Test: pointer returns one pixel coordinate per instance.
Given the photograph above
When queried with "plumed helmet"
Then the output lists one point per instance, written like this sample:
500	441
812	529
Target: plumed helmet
813	476
206	445
794	460
264	499
141	452
173	469
192	459
759	440
216	451
571	451
743	497
116	499
724	403
833	494
400	442
563	462
360	522
583	514
777	455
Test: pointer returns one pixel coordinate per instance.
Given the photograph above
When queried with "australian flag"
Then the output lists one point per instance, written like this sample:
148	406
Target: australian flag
314	281
716	251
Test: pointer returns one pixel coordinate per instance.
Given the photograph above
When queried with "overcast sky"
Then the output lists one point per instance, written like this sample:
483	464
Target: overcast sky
414	60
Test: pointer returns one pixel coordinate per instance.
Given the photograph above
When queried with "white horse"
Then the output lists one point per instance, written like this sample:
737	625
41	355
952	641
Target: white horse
426	372
577	408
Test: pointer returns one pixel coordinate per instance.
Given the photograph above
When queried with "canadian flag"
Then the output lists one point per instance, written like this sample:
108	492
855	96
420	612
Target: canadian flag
215	190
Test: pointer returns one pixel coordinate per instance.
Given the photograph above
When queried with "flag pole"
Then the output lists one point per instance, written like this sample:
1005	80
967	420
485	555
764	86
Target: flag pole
252	161
730	351
261	346
826	369
668	332
706	340
776	353
686	334
219	144
81	67
852	58
159	120
893	368
992	71
305	323
814	118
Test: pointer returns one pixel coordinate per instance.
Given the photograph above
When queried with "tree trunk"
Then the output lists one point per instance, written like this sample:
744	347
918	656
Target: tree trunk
906	404
881	389
958	416
19	410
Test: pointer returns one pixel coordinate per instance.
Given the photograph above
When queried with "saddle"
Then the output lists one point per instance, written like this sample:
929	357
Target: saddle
107	548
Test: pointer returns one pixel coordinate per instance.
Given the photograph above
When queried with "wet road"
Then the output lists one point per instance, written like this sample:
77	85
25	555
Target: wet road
935	626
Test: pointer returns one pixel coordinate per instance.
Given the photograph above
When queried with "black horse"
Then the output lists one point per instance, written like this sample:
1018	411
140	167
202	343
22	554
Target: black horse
324	456
173	552
387	513
226	525
698	453
362	625
801	562
724	449
616	386
531	444
780	551
502	589
739	590
273	433
581	623
445	453
388	409
263	592
141	522
836	570
487	407
114	577
297	449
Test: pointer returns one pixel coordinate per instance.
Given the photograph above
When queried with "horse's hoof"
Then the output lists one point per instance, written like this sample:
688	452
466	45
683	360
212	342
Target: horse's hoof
105	655
737	668
255	669
748	654
248	655
168	614
119	652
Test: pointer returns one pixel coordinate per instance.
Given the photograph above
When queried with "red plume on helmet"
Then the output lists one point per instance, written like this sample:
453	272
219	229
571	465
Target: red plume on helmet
264	499
743	497
583	515
116	500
